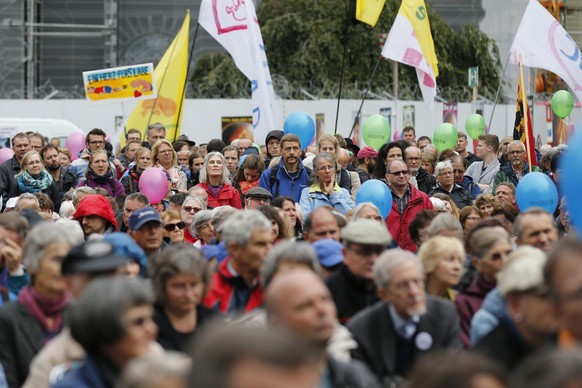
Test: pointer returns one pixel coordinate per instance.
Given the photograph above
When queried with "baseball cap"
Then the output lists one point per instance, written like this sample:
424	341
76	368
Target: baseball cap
366	232
141	216
92	256
367	152
329	252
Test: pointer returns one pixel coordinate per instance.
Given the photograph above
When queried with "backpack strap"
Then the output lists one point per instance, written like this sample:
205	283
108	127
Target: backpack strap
273	177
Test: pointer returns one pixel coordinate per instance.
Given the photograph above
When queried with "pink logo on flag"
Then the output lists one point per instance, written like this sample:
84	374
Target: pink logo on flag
412	57
568	61
428	81
229	15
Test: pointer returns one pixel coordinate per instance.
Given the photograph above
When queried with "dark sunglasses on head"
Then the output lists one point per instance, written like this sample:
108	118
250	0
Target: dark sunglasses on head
171	227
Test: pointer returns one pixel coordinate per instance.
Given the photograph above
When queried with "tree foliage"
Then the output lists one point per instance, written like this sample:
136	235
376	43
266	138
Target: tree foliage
305	41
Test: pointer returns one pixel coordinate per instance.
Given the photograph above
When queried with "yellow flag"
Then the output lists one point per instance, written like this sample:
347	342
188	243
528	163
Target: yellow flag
368	11
415	11
170	78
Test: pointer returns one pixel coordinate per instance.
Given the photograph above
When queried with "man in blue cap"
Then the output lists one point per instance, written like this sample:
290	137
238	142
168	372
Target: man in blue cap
145	227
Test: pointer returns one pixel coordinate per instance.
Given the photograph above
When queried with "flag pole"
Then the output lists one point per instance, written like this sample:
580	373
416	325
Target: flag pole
525	118
498	89
339	94
178	123
365	95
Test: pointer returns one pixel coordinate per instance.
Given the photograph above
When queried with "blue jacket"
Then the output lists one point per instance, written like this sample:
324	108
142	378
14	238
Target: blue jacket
87	375
488	316
284	185
470	186
312	197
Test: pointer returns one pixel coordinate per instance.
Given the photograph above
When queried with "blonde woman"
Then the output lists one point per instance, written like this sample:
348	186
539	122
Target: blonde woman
165	158
443	261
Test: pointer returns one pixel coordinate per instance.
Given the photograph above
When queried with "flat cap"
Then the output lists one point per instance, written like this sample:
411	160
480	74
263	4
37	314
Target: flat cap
366	232
259	192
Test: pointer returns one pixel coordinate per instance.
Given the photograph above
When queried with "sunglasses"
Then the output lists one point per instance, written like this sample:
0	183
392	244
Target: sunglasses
499	255
396	173
189	209
171	227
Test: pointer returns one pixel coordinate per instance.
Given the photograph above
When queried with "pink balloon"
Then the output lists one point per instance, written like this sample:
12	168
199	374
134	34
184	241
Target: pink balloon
5	154
153	183
75	143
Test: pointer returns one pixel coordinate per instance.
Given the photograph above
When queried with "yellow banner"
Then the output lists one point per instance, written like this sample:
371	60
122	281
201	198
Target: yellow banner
170	79
415	11
368	11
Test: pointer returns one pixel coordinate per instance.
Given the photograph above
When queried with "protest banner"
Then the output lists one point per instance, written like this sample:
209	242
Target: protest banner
120	84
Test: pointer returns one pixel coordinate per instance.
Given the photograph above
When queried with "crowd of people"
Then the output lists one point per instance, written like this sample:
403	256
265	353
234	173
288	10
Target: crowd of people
260	269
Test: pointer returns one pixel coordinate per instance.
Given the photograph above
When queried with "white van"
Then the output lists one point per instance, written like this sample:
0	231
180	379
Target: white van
10	126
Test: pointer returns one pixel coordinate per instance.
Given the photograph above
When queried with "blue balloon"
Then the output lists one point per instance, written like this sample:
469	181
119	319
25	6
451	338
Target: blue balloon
302	125
571	180
537	190
378	193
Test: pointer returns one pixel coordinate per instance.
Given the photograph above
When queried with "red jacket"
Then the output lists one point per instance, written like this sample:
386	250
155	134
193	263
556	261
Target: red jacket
398	224
231	294
228	196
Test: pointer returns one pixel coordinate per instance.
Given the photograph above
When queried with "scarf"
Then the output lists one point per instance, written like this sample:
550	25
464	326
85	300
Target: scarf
215	190
100	179
28	184
245	186
173	174
40	307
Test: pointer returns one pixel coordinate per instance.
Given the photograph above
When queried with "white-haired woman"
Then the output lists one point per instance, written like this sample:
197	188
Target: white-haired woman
214	179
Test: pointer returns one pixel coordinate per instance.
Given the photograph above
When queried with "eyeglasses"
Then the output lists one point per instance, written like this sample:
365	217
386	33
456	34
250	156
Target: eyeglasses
32	163
459	171
411	159
325	168
189	209
396	173
367	250
260	200
473	218
164	151
499	255
138	322
405	284
171	227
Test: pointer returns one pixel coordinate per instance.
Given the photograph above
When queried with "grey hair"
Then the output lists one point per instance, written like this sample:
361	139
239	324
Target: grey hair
196	199
444	221
389	260
174	260
25	196
73	228
445	164
82	189
138	197
67	210
319	157
297	252
45	234
241	226
483	239
156	126
154	371
97	319
225	173
517	142
358	209
201	218
221	214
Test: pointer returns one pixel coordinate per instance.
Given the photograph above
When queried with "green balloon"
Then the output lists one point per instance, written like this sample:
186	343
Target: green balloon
376	131
445	136
475	126
562	103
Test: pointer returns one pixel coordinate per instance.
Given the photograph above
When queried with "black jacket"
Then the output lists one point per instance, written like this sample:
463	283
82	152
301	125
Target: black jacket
472	158
350	375
425	180
376	336
8	170
68	181
460	196
350	294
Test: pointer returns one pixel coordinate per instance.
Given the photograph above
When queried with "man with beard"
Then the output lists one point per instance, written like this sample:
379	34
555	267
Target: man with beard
298	301
64	178
424	180
516	168
366	163
406	324
289	177
10	168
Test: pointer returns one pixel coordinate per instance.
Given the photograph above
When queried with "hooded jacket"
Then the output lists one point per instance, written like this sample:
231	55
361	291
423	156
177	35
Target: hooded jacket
98	205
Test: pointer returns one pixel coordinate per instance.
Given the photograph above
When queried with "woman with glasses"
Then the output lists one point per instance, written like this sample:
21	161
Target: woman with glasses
190	207
34	178
469	216
214	179
489	249
142	161
325	191
366	210
99	174
165	158
173	226
446	185
180	277
202	228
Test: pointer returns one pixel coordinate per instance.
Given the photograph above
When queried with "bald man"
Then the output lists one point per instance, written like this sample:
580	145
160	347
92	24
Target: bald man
299	301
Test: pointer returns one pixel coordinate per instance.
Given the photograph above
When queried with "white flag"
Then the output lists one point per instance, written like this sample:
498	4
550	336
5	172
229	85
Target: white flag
402	46
235	26
542	42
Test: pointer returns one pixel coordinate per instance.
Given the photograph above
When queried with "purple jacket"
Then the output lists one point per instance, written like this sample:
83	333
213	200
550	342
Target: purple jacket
468	301
114	188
